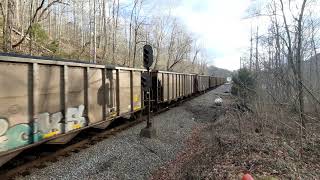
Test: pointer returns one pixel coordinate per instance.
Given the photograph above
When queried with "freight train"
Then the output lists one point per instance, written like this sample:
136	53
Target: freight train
45	100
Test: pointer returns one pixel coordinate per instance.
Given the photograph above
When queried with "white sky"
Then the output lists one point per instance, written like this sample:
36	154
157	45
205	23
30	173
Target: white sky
221	26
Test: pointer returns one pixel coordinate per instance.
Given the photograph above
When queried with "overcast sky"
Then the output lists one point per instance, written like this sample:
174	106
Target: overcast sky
221	26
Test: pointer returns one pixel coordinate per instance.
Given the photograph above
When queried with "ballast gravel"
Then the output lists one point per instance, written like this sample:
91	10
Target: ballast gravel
127	155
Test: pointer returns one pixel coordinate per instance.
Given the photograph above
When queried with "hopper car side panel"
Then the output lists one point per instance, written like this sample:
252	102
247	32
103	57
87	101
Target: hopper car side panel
39	102
128	88
181	86
172	86
166	87
42	100
136	91
47	99
110	93
16	116
124	92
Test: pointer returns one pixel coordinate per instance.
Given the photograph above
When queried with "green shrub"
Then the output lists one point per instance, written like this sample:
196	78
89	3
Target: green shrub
53	46
39	34
243	84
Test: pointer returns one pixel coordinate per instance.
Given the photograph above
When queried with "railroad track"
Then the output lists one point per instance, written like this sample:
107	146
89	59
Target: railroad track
26	161
93	137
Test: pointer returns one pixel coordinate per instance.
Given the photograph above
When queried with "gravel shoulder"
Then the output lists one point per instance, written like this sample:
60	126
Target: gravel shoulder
128	156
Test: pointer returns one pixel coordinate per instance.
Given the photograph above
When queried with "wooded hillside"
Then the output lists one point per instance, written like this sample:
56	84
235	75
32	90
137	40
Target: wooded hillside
101	31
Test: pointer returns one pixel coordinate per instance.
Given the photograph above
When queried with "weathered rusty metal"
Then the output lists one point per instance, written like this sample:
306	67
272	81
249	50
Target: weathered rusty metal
49	101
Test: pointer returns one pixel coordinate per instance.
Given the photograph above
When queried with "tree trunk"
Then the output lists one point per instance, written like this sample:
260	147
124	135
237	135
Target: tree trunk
94	33
7	35
299	59
134	48
251	50
30	26
257	50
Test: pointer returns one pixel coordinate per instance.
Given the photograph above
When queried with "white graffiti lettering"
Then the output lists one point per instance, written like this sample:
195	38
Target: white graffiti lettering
44	126
4	125
74	118
49	125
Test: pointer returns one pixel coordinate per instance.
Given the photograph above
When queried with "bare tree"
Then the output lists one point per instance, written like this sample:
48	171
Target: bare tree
297	55
104	31
39	12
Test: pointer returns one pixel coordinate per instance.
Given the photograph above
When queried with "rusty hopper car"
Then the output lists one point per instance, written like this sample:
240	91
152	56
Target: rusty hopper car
221	80
170	86
203	83
212	82
50	101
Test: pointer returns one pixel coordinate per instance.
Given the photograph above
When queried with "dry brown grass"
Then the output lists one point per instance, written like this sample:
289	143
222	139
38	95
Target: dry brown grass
267	144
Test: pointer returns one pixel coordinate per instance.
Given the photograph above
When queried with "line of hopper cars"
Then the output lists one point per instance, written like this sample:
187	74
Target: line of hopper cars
51	101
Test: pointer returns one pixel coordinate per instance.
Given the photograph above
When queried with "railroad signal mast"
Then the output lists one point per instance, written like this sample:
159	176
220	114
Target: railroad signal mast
147	56
146	81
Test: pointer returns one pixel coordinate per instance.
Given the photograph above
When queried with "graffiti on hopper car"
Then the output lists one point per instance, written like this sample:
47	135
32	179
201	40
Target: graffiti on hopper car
15	136
48	125
136	103
44	126
74	118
